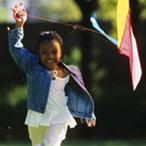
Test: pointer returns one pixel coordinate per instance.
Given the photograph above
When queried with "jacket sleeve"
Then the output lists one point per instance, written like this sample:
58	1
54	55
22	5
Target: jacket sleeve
82	82
21	56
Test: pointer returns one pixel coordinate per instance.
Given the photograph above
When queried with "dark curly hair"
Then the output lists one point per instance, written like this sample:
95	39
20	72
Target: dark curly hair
50	35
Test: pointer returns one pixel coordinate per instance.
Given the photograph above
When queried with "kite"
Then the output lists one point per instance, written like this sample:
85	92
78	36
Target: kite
126	42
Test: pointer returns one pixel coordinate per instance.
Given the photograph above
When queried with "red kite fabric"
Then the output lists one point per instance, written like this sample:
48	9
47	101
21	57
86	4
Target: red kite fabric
126	41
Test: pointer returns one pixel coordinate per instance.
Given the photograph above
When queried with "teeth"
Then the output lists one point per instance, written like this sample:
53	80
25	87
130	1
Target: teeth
49	61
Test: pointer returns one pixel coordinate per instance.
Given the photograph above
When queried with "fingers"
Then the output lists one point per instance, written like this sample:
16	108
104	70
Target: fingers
93	123
20	4
16	6
19	13
13	9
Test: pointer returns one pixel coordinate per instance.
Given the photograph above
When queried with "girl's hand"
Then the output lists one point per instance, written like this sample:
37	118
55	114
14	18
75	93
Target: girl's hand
93	123
20	15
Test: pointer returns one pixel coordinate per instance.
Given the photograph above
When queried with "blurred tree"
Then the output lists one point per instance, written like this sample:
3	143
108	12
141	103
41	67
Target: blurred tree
107	12
62	10
87	7
142	6
16	95
135	13
3	14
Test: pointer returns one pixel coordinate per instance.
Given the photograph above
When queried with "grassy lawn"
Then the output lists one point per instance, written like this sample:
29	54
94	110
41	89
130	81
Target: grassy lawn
90	143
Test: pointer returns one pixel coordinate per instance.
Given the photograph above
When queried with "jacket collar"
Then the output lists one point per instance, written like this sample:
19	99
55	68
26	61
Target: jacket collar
68	67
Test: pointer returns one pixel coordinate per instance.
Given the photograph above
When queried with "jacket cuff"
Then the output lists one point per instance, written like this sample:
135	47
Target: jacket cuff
15	32
83	120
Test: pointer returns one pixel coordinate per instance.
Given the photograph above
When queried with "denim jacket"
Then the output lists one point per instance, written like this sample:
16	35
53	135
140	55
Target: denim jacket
79	102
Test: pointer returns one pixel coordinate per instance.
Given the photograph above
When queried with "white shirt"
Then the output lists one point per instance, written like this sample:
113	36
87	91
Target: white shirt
56	110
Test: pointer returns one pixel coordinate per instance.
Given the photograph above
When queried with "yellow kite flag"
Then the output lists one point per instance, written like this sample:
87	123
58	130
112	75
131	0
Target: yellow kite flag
126	41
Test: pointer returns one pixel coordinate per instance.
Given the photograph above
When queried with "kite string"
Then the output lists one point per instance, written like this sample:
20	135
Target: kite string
67	24
63	23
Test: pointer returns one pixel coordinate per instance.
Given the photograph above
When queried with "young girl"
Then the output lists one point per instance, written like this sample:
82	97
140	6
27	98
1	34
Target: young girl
56	91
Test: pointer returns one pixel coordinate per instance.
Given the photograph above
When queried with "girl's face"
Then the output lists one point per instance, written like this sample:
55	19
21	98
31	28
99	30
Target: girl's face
50	53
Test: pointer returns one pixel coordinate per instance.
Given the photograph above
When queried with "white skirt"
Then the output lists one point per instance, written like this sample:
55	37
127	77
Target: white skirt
50	117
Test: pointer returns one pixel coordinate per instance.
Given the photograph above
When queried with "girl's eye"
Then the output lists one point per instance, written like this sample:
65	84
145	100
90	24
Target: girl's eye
54	52
44	52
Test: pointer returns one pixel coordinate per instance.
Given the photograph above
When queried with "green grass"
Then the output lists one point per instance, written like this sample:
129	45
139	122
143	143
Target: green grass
90	143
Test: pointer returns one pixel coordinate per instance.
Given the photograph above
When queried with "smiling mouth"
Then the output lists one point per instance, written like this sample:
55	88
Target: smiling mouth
50	61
